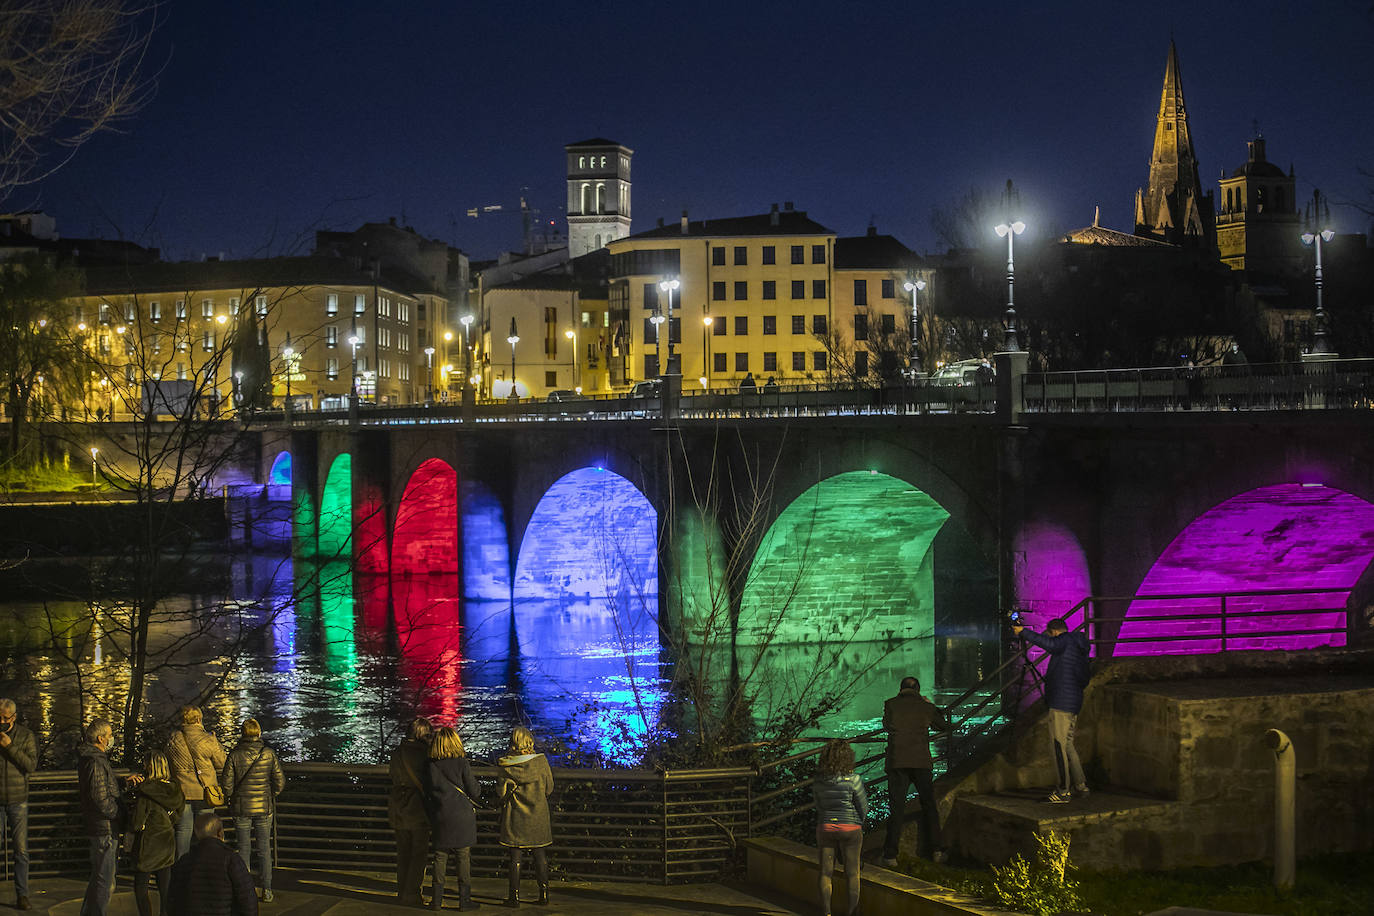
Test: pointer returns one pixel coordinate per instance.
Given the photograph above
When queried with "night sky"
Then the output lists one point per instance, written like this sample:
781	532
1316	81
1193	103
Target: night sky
273	119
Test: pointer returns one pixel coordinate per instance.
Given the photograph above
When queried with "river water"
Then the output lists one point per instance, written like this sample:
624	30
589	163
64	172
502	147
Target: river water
333	664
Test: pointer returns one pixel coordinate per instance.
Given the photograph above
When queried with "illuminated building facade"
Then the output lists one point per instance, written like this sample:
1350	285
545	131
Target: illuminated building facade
1258	226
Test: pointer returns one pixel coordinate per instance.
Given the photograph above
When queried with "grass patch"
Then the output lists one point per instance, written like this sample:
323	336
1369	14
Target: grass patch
1337	883
41	478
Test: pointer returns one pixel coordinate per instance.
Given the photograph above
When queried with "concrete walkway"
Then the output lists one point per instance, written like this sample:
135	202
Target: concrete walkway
306	893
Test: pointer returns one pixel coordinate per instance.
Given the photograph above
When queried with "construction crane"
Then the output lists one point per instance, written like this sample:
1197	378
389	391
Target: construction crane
528	215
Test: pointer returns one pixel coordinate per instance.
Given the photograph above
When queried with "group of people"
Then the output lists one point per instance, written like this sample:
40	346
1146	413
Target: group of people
908	718
433	802
156	814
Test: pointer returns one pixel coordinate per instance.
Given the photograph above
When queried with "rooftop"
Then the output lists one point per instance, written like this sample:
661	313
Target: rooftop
778	222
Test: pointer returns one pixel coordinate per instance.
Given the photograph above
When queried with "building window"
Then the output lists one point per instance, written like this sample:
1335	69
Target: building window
798	324
207	308
798	254
718	327
360	332
650	331
860	363
889	288
741	362
181	310
817	254
888	323
331	337
817	289
798	289
403	371
207	341
359	303
741	325
819	325
717	290
331	304
154	311
403	312
331	368
741	290
770	289
770	254
770	324
741	255
818	362
798	361
720	361
860	327
551	378
128	344
718	256
651	295
770	362
860	292
130	312
260	303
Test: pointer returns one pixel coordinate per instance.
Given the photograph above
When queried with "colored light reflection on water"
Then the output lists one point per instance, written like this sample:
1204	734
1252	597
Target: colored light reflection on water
1288	536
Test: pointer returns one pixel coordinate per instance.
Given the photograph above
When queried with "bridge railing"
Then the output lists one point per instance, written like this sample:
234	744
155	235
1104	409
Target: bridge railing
1324	384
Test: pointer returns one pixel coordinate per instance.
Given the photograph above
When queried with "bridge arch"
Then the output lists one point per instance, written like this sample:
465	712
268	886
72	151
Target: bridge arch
424	537
1286	536
336	510
280	474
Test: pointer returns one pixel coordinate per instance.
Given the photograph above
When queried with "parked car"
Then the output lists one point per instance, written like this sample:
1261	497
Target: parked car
647	389
961	374
563	395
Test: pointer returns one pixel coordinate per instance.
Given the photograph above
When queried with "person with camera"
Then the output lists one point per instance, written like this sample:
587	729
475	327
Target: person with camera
252	779
1065	680
196	759
908	718
18	758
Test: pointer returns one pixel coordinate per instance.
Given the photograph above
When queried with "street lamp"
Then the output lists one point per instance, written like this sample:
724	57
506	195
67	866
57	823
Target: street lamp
429	374
287	352
914	286
353	385
94	451
657	321
670	286
513	339
1317	215
1011	229
467	346
706	321
571	334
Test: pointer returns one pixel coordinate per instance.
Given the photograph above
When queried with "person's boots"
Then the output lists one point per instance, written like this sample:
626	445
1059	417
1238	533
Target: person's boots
513	892
541	872
465	901
436	897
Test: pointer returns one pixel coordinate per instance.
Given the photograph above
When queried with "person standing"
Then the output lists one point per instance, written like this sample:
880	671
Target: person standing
252	779
1065	680
99	809
406	811
841	805
453	794
525	787
210	880
151	835
196	759
18	758
908	718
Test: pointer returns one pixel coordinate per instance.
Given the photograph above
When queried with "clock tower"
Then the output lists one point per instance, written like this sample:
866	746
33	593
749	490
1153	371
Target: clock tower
598	194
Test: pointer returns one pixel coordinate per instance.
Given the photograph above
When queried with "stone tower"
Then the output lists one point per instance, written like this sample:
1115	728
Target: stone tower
1258	226
1172	208
598	194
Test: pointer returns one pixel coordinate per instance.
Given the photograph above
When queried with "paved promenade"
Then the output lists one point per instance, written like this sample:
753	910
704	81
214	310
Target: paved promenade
304	893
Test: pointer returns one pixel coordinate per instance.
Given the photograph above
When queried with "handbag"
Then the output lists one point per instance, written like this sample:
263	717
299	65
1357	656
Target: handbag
214	793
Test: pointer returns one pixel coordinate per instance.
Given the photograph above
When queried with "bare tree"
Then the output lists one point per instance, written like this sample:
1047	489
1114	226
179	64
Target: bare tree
69	69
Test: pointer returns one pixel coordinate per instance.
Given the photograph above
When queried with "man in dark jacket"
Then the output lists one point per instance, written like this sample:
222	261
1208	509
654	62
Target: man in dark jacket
406	810
1065	680
99	809
211	880
18	758
908	718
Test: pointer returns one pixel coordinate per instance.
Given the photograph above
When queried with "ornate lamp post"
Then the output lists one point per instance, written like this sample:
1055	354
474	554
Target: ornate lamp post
513	339
571	334
706	322
914	285
1011	229
287	353
429	375
94	451
670	286
467	354
1317	215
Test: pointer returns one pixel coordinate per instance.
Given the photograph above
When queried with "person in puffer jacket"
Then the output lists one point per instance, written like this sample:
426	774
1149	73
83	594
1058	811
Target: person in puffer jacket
841	806
252	779
156	808
196	759
1065	680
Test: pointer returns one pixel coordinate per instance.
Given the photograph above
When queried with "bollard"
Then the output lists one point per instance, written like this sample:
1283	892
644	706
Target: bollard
1284	814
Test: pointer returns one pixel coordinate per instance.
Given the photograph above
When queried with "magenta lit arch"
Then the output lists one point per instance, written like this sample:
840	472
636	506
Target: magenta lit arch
424	539
1282	537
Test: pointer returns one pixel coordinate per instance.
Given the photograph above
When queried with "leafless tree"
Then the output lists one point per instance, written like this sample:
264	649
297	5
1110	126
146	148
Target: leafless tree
69	69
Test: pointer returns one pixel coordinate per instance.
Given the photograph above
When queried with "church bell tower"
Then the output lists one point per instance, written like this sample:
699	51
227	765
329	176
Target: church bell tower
598	194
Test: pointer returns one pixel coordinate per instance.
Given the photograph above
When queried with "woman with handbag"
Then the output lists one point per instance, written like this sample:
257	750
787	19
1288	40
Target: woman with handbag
453	794
526	784
252	779
150	840
196	759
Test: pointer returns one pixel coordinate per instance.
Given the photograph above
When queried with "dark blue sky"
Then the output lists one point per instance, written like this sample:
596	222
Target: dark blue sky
275	118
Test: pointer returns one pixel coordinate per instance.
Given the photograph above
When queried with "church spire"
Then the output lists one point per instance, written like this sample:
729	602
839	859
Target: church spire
1172	207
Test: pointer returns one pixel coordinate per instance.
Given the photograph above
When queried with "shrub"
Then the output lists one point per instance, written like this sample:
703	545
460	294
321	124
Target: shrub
1041	888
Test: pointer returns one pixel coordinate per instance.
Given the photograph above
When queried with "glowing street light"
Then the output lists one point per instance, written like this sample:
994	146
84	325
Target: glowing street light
288	352
94	451
429	374
571	334
1011	229
513	339
466	322
1317	232
353	388
914	286
670	286
706	322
